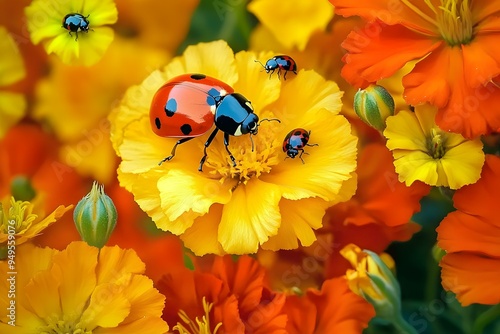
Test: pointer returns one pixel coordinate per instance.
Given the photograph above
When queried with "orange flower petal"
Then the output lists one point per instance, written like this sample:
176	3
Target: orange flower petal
372	51
481	59
389	13
339	309
467	275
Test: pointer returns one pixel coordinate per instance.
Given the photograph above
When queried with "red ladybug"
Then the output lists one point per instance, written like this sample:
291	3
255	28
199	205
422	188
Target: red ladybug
189	105
283	62
295	141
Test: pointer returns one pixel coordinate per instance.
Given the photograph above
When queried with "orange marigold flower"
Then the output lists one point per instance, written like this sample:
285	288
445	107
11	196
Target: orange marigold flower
232	297
471	236
455	43
334	309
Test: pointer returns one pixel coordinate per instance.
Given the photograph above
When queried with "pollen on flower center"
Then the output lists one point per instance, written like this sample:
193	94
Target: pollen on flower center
453	19
436	147
248	163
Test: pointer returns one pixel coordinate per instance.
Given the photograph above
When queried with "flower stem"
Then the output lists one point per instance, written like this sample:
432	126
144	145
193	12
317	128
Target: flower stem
403	327
485	319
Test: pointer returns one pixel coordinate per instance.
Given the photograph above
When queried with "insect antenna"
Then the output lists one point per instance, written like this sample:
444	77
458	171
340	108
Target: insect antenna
258	61
269	120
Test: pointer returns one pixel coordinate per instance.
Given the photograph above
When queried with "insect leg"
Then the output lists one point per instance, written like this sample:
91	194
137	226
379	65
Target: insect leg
172	154
226	143
207	144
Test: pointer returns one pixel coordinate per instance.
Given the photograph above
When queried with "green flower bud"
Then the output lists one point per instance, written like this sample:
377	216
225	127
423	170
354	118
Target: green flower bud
21	189
373	105
95	217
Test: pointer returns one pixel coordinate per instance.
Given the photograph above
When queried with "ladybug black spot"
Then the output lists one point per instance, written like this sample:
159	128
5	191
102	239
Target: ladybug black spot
186	129
171	107
297	133
157	123
198	76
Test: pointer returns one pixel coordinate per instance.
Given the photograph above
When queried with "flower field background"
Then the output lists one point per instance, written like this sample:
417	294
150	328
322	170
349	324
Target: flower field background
385	222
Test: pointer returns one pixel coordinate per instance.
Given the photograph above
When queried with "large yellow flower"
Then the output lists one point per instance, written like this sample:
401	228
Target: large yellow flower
265	200
422	151
74	30
12	105
79	290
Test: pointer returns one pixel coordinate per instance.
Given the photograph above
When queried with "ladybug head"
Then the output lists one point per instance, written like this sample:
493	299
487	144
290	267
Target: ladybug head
291	152
271	65
250	124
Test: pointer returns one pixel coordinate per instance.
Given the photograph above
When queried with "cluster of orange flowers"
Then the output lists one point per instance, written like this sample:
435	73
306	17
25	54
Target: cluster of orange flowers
74	108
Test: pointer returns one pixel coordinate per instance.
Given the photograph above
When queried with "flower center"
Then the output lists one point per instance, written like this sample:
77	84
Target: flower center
453	19
436	147
198	326
19	212
62	326
248	163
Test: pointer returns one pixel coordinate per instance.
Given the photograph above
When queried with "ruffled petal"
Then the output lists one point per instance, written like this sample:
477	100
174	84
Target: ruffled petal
469	156
389	13
202	236
403	132
373	57
299	219
11	65
100	12
481	59
252	215
467	274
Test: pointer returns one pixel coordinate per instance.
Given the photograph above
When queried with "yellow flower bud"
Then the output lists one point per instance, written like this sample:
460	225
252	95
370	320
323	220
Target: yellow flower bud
95	217
373	280
373	105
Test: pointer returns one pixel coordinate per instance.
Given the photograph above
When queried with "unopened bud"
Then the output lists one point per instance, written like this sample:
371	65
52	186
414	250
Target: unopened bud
95	217
373	105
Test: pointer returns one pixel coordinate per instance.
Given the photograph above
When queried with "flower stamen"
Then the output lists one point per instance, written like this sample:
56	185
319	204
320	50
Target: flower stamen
436	144
198	326
20	212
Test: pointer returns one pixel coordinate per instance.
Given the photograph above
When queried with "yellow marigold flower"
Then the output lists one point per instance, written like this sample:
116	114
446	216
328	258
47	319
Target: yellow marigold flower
12	105
23	220
80	290
74	30
265	200
422	151
292	22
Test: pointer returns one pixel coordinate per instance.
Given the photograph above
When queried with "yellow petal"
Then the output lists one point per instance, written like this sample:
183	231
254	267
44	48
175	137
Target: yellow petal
43	295
144	298
269	90
202	236
45	22
308	90
107	307
115	263
463	163
12	109
183	191
293	22
299	219
215	59
403	131
100	12
76	264
87	50
11	63
251	216
415	165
